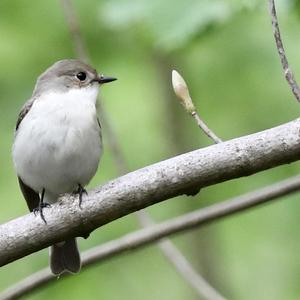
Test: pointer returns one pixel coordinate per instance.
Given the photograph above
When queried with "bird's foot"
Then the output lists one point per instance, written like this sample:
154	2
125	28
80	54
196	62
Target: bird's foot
39	210
80	190
42	205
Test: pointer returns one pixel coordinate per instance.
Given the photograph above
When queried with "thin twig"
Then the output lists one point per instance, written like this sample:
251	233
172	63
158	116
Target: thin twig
148	235
289	76
183	266
205	128
168	248
74	28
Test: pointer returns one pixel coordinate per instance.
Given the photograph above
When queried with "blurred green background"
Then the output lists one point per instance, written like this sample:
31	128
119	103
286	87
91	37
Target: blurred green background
226	52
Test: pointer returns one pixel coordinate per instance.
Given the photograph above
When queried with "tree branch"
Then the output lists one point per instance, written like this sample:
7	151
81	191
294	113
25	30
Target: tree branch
289	76
185	173
144	236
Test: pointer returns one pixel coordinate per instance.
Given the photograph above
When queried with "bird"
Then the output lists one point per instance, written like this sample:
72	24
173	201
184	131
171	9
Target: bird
58	144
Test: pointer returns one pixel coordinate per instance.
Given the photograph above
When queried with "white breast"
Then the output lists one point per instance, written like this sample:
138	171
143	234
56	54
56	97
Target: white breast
58	143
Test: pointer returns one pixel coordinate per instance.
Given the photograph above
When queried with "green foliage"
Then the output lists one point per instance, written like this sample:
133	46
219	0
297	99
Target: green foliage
171	24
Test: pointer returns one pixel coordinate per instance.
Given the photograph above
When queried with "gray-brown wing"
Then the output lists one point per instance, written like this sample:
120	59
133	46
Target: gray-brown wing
32	198
25	109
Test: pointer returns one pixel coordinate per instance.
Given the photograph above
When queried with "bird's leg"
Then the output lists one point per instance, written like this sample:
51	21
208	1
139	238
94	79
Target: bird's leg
80	190
42	205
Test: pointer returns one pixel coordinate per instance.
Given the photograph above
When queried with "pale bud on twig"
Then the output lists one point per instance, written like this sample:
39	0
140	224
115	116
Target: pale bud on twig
182	92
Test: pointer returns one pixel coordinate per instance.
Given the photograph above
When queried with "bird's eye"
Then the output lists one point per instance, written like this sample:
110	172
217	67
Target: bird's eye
81	76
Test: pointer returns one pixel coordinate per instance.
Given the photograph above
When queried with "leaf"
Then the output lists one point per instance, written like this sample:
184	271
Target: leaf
170	23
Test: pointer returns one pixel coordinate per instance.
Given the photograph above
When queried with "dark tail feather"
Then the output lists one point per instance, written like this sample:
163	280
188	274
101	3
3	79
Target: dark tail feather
65	257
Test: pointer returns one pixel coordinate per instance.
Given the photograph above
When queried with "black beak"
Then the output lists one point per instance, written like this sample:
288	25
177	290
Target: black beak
105	79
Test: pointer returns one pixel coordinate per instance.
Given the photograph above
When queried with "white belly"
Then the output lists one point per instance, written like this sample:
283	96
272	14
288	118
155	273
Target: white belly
58	144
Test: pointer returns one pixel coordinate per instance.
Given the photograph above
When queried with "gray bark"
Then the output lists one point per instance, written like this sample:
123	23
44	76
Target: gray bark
178	175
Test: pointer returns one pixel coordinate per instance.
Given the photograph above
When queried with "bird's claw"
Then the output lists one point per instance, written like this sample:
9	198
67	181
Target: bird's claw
81	190
39	210
42	205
